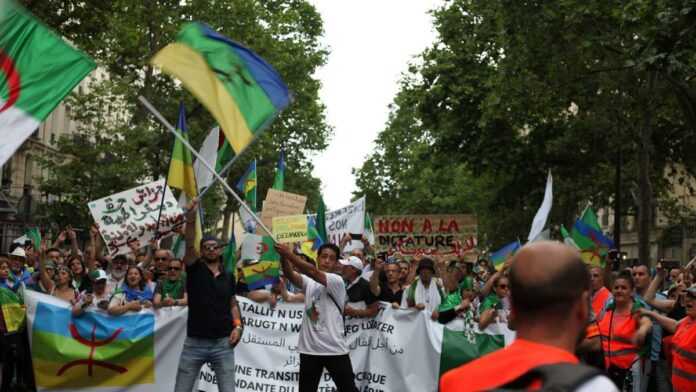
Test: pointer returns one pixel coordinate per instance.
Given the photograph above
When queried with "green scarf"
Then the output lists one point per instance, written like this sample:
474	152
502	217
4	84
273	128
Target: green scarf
451	301
172	289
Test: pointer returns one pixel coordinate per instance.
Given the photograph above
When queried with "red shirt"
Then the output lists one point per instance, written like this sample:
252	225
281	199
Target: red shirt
503	366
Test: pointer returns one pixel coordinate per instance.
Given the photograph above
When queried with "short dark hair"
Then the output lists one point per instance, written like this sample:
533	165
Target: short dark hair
52	250
333	248
626	276
552	296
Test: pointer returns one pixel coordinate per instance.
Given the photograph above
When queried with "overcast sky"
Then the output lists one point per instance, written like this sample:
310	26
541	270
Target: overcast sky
371	44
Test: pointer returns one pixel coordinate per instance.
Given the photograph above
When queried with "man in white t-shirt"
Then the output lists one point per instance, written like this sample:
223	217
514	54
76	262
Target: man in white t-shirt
322	342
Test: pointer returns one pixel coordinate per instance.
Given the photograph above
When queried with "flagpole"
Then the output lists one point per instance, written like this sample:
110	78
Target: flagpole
164	193
226	168
227	187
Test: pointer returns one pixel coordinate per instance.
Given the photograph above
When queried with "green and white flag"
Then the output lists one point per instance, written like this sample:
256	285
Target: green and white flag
37	70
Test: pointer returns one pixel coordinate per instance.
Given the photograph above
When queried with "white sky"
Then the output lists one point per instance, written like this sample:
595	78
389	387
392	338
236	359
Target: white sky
371	44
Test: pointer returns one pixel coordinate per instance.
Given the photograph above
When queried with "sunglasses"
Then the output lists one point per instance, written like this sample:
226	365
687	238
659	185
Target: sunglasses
160	258
211	247
173	269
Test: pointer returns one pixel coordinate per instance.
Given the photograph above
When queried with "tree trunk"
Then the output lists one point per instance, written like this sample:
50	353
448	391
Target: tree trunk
645	193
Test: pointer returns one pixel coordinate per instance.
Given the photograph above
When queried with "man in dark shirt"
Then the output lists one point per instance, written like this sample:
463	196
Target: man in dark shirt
214	325
389	290
358	289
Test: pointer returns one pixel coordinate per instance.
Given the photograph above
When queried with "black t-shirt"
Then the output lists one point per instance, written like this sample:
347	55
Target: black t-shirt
360	291
209	301
387	295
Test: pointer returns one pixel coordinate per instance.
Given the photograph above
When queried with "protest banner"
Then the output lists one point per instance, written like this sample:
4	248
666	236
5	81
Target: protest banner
290	229
398	350
132	216
347	220
95	352
280	203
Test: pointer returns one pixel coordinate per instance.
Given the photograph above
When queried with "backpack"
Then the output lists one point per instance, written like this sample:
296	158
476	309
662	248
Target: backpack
559	377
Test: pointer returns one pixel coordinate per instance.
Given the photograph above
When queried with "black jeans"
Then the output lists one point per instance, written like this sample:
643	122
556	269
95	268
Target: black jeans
339	367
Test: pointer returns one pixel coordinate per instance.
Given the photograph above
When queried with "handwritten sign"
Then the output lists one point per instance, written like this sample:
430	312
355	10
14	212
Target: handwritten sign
279	203
444	235
132	216
290	229
347	220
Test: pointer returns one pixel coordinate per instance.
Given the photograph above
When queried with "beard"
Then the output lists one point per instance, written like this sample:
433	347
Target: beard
210	261
118	274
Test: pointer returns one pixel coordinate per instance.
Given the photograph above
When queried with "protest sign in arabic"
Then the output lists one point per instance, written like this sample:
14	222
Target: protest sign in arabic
443	235
279	203
347	220
132	216
290	229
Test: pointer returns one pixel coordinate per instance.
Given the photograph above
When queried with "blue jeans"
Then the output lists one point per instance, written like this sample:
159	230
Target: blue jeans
198	351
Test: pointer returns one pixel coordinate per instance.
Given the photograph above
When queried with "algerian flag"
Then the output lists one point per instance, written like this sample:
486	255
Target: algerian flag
369	229
543	212
37	70
462	341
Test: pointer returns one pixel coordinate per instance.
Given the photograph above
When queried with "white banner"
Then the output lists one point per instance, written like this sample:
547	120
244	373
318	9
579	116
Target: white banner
132	216
349	219
392	352
137	352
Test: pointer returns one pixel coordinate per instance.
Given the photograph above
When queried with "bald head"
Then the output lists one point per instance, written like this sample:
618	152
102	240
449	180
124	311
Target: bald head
547	279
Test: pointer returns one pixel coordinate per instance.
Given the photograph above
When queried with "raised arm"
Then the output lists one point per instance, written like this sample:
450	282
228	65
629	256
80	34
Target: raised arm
292	262
374	278
72	236
191	254
669	324
46	281
655	283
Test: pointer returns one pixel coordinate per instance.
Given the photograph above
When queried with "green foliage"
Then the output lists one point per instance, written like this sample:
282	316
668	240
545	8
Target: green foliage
118	144
513	89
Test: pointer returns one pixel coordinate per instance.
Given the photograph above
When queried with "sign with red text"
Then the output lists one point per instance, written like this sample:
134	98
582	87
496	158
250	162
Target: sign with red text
427	235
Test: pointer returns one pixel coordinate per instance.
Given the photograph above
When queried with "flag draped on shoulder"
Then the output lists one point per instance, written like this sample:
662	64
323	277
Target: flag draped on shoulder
247	185
500	256
240	89
279	181
587	236
37	70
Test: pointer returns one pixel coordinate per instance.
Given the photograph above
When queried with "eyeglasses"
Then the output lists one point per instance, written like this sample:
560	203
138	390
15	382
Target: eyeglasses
174	269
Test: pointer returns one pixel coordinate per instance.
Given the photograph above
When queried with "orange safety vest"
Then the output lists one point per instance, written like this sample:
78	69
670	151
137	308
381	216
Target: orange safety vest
599	298
503	366
684	356
617	344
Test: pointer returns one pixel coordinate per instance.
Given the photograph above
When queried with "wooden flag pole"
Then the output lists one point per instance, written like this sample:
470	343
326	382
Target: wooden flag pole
224	183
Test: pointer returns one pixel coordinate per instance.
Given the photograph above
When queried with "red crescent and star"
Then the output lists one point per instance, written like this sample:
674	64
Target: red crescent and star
7	67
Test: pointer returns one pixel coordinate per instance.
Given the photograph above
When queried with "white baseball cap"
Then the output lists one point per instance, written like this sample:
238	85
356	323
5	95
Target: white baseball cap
19	252
352	261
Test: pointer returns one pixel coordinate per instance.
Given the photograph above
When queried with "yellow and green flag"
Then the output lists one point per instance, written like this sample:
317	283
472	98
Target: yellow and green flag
247	185
181	174
240	89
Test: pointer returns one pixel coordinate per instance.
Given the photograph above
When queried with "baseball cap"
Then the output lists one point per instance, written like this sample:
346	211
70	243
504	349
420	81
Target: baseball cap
352	261
98	275
19	252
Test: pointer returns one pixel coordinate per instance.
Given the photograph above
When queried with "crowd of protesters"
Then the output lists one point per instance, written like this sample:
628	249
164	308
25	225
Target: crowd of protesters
641	331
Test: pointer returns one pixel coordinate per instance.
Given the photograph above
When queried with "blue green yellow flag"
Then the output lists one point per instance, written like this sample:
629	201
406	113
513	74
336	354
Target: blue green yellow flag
279	181
240	89
247	185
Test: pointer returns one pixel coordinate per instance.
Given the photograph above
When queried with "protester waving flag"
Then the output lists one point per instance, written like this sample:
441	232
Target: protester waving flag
241	90
181	174
247	185
37	70
279	181
501	255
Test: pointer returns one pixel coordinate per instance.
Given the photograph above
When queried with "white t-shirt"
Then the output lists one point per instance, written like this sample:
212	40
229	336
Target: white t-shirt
598	384
322	331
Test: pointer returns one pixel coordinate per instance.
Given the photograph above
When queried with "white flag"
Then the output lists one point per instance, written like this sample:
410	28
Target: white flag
543	214
209	152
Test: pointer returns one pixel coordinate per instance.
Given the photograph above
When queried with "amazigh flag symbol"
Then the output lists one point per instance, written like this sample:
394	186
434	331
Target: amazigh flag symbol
37	70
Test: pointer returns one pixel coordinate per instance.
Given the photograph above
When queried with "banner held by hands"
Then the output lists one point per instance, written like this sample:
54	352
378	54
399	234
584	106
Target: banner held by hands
171	129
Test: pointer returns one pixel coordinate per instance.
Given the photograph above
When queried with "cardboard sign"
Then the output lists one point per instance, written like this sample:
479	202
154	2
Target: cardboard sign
443	235
279	203
290	229
347	220
132	216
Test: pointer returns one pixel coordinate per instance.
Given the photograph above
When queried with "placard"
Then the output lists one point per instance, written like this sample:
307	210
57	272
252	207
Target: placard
279	203
132	216
290	229
347	220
